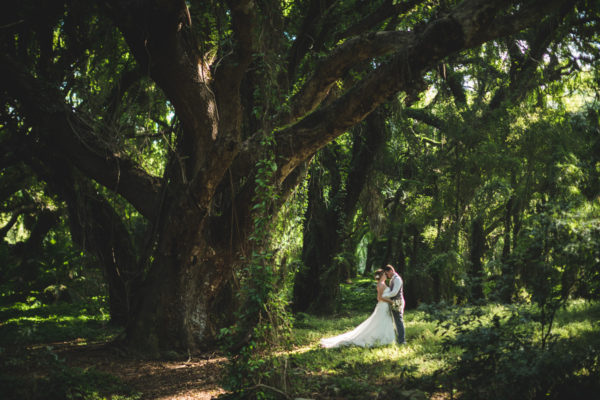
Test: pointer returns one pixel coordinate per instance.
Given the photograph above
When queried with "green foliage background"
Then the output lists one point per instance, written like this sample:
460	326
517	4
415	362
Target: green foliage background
485	196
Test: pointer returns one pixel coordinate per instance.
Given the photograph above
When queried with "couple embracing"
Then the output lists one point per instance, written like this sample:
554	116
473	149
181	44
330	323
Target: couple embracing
386	324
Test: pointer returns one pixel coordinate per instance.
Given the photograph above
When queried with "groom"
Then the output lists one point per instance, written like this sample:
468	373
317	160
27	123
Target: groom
397	297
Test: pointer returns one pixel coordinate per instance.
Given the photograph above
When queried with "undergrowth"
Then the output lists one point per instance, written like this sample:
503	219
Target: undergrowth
30	366
491	351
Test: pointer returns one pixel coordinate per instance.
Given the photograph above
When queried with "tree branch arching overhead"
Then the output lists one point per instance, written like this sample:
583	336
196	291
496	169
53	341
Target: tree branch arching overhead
63	131
470	24
264	79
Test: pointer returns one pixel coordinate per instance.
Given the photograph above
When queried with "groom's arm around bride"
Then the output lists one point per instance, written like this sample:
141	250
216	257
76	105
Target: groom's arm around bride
397	297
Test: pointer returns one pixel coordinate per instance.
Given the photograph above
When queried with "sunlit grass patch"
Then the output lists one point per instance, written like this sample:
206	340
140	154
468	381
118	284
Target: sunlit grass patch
31	369
346	369
577	310
309	329
578	318
34	322
430	353
575	329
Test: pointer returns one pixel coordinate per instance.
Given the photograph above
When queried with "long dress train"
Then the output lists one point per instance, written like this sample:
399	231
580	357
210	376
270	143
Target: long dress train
377	330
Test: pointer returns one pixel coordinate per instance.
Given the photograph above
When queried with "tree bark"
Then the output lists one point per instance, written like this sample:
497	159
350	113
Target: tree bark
199	212
178	309
506	289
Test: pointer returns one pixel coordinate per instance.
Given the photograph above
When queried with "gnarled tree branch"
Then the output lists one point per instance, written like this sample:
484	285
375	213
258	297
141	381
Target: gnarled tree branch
468	25
425	117
386	10
306	37
64	133
153	30
338	63
15	214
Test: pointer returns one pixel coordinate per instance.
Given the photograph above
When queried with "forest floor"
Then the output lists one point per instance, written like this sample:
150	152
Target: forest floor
68	350
60	351
196	378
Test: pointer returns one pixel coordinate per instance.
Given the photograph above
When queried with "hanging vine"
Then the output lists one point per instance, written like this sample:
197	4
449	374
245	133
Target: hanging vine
263	322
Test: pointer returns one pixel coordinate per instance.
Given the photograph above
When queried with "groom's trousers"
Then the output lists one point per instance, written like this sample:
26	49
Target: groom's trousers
399	321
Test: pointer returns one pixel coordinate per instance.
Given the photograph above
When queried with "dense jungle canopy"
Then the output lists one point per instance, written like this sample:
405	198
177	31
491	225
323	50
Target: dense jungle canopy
206	157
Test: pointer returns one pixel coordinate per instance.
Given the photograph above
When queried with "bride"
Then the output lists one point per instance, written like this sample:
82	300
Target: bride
378	329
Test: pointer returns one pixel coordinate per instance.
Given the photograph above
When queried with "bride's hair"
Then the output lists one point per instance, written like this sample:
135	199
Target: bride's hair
378	274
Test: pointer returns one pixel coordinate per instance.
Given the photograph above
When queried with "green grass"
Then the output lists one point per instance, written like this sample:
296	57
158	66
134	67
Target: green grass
351	372
30	369
423	364
34	322
430	364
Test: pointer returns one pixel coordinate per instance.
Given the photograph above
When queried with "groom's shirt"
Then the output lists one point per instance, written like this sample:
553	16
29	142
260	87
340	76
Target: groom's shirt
395	287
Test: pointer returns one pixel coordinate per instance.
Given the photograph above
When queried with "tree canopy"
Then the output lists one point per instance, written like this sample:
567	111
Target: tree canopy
167	132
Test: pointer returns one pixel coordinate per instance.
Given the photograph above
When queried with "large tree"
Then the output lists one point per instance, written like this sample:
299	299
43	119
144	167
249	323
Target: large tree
78	86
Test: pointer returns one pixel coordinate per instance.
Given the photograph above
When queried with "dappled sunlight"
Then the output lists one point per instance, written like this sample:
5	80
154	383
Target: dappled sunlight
196	196
357	367
34	322
576	329
577	319
424	358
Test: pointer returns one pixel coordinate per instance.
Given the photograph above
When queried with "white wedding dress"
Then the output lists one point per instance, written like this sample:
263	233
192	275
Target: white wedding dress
377	330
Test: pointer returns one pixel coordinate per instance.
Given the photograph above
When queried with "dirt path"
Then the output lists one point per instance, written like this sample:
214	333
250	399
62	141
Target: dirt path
197	378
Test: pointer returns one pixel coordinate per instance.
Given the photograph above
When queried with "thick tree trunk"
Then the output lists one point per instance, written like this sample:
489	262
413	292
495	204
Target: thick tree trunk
371	255
187	295
421	285
475	254
96	228
401	256
176	311
376	254
32	248
395	253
